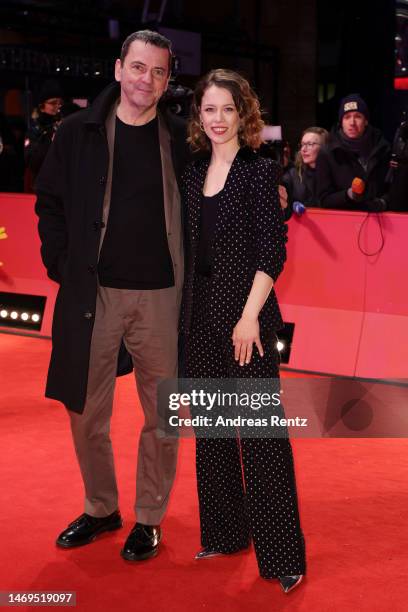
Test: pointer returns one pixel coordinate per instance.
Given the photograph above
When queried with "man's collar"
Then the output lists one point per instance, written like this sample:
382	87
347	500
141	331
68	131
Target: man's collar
102	105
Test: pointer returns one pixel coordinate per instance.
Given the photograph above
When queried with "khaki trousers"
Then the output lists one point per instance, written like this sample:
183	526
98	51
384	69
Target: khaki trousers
147	321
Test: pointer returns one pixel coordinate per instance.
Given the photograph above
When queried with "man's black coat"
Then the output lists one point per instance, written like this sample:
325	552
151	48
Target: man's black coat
70	190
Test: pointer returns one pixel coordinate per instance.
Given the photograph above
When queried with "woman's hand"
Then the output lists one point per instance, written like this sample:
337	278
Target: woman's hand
245	334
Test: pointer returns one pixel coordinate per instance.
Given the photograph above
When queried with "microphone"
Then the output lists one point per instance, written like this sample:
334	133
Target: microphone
298	208
357	187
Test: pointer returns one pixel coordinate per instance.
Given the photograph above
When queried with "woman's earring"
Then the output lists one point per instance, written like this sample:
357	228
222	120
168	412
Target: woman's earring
201	125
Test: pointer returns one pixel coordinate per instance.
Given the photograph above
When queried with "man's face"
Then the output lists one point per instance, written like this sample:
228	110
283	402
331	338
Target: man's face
144	75
353	124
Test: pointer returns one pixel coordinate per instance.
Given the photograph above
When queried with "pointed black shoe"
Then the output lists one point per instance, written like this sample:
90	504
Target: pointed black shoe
208	553
290	582
86	528
142	543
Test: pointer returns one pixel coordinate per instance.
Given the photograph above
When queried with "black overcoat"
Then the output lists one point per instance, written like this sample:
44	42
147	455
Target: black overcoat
250	235
70	194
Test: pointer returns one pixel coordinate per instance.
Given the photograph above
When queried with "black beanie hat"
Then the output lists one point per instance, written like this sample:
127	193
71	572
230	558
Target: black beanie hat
50	89
353	103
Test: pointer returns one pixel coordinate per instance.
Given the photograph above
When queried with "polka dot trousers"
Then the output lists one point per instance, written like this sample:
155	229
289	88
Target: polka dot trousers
246	486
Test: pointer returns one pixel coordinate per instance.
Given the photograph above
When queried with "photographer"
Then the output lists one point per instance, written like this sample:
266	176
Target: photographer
41	133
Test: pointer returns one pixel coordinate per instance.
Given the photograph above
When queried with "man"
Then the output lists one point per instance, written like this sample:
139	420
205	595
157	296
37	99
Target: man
355	150
110	225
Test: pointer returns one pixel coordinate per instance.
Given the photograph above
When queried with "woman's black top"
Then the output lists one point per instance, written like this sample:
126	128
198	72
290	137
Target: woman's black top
208	220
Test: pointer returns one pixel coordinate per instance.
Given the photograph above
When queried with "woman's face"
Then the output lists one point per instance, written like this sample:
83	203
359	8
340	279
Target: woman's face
52	106
309	148
219	116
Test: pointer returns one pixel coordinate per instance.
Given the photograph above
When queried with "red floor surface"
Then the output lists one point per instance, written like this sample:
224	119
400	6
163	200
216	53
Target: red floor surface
354	510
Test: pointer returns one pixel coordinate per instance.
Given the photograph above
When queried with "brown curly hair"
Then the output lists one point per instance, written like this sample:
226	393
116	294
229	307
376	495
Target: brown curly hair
246	103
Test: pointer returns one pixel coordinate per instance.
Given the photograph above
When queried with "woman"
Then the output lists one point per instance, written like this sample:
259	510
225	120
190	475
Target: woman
300	181
235	251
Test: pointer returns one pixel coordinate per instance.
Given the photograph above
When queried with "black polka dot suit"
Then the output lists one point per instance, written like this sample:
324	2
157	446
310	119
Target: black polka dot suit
246	486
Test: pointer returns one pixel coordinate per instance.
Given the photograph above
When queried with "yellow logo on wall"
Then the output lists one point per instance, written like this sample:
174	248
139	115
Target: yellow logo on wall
3	235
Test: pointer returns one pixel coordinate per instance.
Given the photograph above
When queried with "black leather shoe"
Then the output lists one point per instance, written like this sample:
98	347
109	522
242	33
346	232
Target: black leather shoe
86	528
290	582
142	543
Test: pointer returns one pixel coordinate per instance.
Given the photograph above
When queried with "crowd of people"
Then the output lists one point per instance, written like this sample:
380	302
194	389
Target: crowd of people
321	174
348	169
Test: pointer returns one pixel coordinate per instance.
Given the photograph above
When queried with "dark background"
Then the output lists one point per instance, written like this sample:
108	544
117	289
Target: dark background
301	55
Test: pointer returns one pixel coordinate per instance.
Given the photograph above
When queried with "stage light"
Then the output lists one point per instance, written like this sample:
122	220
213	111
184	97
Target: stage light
284	342
21	311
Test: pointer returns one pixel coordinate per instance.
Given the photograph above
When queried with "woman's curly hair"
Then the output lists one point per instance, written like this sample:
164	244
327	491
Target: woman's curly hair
246	103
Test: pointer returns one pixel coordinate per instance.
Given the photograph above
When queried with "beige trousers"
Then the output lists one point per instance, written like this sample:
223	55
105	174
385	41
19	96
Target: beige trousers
147	321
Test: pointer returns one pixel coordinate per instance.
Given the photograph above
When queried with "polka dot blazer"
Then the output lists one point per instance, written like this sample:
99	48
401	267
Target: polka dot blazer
250	235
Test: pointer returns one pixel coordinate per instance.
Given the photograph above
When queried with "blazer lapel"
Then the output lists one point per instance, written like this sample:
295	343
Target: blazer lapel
235	188
195	197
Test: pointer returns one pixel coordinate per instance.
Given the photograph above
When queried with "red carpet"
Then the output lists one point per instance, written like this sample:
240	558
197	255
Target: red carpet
354	509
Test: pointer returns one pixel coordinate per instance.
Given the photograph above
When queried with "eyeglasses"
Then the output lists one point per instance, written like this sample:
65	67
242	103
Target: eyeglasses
53	102
308	145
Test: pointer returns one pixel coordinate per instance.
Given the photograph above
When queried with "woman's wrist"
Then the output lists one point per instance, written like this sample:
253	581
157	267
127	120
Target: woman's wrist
249	315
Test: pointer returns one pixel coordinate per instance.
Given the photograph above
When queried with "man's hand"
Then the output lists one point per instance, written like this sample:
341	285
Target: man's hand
245	334
283	197
357	189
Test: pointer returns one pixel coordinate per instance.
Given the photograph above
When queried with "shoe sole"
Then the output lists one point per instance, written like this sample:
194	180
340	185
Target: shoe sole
62	544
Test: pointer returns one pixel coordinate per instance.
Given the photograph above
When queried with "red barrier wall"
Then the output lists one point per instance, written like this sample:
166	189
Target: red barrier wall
350	309
22	270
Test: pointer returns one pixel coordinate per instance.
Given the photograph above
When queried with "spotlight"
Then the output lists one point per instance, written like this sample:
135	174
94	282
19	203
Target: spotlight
284	341
21	310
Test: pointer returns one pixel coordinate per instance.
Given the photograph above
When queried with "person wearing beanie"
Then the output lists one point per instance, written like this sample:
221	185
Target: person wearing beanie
45	121
351	170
